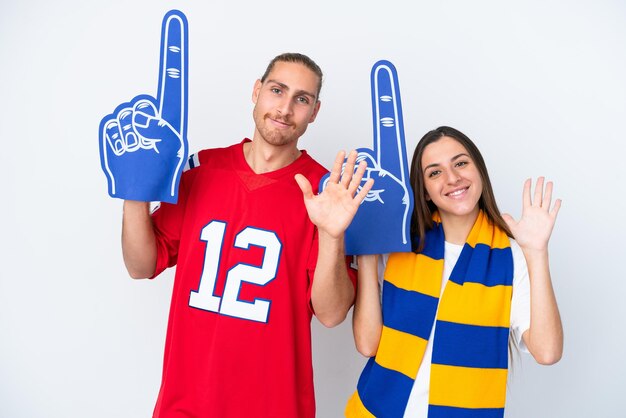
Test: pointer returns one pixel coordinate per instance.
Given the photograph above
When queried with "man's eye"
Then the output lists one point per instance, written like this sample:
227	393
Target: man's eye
275	90
303	99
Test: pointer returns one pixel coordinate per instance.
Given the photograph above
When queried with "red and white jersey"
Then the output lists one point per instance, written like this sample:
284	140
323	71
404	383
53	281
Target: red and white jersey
238	339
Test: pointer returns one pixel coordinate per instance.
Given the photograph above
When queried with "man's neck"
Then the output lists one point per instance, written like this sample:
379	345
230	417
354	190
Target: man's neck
263	157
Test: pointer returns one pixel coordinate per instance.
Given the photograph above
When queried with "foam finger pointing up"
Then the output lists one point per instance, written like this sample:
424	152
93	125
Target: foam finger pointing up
173	70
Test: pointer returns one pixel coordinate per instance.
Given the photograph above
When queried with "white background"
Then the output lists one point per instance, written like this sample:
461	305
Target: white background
539	85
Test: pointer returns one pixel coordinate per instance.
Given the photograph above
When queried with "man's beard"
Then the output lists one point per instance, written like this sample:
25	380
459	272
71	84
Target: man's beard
276	136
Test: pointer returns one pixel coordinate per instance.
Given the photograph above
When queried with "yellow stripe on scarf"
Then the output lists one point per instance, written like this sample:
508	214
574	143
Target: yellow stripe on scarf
356	409
393	345
415	277
482	305
468	387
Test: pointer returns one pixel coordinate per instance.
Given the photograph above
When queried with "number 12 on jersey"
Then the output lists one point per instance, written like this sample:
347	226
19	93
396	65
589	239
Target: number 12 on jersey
229	304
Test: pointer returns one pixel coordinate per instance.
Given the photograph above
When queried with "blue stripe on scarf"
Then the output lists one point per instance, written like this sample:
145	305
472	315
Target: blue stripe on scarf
489	269
450	412
434	246
470	345
388	400
414	312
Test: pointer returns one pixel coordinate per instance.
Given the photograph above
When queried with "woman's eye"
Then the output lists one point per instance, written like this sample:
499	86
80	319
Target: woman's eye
434	173
461	163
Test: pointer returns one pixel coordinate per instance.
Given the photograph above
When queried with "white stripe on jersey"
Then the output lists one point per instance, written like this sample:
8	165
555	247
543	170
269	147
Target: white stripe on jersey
155	206
192	162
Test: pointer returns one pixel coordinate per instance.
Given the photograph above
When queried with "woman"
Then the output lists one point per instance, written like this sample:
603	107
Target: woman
439	336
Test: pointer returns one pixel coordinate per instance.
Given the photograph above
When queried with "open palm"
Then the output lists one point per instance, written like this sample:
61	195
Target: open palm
535	226
333	209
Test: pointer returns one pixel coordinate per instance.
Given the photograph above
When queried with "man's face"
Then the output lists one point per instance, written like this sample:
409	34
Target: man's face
285	103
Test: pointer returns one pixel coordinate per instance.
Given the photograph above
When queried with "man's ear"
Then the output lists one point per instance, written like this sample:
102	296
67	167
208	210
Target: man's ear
255	90
315	110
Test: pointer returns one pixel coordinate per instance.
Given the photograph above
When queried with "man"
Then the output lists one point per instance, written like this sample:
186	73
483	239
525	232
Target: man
257	253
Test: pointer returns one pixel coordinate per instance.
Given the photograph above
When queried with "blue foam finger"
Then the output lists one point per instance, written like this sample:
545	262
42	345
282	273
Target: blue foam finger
382	223
143	144
172	92
389	143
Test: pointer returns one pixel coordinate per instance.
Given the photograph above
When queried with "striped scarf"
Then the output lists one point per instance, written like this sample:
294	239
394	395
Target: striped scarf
470	351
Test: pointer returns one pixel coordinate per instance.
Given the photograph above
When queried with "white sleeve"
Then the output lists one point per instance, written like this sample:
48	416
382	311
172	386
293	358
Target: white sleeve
520	303
382	265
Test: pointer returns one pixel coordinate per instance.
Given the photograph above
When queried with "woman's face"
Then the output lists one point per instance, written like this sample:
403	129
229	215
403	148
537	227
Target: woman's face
451	178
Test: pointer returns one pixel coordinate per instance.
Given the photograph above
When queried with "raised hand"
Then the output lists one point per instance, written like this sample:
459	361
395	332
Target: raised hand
143	143
333	209
533	230
383	221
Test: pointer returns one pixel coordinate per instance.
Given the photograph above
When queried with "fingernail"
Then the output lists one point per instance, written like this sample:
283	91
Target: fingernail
141	119
119	146
131	140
